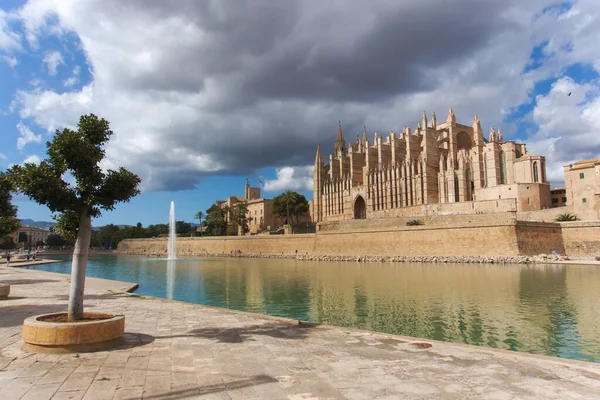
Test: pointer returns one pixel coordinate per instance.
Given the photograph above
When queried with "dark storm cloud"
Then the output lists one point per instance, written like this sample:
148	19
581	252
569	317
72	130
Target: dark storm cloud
245	85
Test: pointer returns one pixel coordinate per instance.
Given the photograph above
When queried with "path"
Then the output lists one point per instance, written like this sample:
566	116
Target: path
176	350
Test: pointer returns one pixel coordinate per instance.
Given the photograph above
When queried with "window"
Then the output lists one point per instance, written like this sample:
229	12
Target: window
502	168
535	172
554	201
581	175
564	199
584	200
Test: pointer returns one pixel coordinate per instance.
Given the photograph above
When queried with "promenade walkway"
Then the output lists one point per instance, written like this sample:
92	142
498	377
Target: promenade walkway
175	350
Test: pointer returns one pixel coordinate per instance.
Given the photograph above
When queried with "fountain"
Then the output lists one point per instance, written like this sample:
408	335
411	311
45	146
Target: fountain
172	245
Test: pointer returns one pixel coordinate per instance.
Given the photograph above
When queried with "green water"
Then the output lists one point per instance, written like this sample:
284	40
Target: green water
544	309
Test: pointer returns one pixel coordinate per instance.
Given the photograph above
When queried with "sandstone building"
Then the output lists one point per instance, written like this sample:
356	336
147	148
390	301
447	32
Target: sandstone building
260	211
582	180
447	165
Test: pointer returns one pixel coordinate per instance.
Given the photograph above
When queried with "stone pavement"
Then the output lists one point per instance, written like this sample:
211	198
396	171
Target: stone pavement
175	350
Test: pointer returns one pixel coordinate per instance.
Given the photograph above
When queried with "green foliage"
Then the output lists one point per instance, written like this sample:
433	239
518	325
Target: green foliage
7	243
239	216
8	213
200	215
183	228
67	225
79	154
415	222
566	217
216	222
55	240
290	205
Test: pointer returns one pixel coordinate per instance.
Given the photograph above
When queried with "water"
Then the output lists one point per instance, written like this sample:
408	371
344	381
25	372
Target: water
542	309
172	243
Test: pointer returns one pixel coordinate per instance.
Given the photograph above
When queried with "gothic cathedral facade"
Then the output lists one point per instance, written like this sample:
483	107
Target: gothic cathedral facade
439	163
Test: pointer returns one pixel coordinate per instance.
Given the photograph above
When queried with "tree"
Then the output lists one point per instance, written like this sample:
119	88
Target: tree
7	243
79	153
215	220
55	240
240	218
183	228
8	213
290	204
199	215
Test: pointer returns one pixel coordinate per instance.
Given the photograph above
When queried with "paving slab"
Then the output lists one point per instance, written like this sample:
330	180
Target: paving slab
183	351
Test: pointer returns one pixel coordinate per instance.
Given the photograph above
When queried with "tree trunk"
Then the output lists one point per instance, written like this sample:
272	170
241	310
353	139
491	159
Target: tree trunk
80	256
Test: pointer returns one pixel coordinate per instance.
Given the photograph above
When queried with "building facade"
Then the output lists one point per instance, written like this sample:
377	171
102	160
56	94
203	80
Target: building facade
34	235
260	211
559	197
582	180
437	163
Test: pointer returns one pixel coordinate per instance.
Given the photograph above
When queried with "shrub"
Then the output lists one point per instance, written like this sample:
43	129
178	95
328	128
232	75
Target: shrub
415	222
566	217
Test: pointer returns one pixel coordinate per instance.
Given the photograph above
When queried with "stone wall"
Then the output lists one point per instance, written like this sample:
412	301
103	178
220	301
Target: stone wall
456	235
258	244
431	220
484	235
547	215
539	238
581	239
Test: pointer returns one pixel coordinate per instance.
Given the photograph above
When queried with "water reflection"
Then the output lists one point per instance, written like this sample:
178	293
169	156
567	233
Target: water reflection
546	309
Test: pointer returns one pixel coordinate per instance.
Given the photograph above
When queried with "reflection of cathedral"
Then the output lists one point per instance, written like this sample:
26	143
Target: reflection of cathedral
437	163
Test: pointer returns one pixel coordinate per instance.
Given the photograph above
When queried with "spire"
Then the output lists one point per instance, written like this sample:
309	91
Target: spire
418	125
339	136
492	134
319	157
499	136
340	143
477	124
451	118
424	119
364	138
433	120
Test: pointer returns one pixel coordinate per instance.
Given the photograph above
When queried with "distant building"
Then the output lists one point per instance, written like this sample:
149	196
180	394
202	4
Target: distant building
558	197
260	210
582	180
33	234
437	163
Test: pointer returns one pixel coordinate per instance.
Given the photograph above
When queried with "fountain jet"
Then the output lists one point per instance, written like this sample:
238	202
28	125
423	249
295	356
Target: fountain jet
171	245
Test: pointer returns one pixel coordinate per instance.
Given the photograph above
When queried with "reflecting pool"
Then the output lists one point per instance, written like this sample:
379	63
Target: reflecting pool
543	309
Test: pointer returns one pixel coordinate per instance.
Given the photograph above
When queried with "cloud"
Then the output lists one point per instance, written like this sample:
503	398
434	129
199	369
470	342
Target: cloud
291	178
52	60
568	125
32	159
11	61
2	156
73	80
26	136
9	39
197	88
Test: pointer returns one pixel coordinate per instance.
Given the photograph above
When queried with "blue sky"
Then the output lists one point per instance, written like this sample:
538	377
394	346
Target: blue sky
202	97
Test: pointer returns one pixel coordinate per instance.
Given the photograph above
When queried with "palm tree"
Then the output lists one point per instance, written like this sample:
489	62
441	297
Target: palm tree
199	215
289	200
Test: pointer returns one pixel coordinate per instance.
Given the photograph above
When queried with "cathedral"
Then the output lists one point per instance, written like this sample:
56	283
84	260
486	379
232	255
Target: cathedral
445	164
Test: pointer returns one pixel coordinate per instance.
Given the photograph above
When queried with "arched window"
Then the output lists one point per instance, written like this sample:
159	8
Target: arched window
456	194
485	182
535	172
502	168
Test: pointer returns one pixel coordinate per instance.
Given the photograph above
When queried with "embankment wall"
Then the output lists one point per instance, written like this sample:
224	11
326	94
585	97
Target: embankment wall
458	235
581	239
498	234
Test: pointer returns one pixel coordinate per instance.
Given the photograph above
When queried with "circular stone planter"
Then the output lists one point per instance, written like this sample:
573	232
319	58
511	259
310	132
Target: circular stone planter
4	291
42	336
